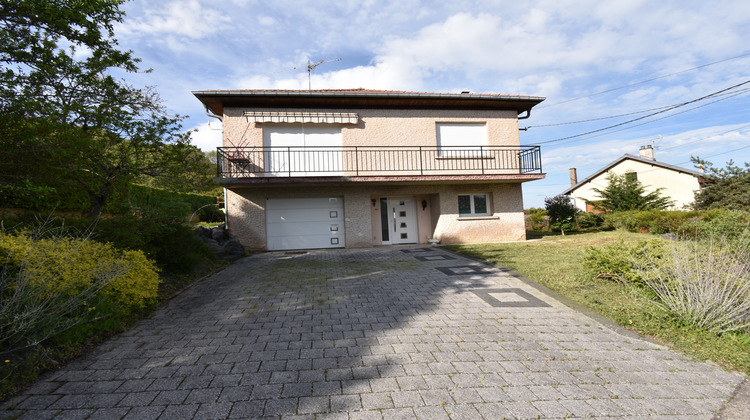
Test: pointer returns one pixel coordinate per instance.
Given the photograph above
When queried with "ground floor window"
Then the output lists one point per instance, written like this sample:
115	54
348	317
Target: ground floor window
473	205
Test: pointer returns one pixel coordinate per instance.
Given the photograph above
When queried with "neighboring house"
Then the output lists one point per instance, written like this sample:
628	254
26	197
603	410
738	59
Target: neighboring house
678	184
360	168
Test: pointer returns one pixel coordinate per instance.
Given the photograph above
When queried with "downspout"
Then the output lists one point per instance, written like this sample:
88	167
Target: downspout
212	115
528	114
226	208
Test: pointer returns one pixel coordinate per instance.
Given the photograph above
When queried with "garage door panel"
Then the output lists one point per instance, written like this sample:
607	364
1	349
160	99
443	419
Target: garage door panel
304	215
305	228
301	223
306	242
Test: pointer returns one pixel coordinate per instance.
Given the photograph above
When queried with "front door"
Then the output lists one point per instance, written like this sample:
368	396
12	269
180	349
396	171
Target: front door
398	220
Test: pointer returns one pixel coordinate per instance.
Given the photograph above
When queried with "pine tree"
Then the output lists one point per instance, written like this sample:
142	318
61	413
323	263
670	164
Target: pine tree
624	193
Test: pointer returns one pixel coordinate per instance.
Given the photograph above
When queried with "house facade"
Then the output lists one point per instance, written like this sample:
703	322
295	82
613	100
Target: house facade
362	168
677	183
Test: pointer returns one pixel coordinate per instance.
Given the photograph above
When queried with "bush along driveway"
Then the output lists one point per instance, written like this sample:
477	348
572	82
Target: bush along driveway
397	332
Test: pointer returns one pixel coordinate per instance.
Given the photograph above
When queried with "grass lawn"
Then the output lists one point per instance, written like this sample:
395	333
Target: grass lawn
555	262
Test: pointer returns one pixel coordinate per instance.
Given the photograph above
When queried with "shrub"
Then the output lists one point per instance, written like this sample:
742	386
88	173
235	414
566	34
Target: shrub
176	248
587	220
210	214
706	283
50	284
537	219
27	195
562	212
172	245
618	260
652	221
729	224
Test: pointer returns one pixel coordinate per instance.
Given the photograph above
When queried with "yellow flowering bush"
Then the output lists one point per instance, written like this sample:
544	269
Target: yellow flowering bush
68	266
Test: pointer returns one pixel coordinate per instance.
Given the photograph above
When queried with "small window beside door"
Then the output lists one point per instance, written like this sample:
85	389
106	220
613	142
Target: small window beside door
473	205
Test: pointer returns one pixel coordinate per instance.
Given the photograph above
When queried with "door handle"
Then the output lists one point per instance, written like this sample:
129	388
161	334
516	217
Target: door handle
394	219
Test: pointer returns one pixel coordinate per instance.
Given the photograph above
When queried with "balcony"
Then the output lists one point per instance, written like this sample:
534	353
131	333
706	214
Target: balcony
363	163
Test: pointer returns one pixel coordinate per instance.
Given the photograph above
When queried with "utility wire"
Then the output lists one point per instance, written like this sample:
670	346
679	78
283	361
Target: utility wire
644	81
649	115
617	116
705	138
666	116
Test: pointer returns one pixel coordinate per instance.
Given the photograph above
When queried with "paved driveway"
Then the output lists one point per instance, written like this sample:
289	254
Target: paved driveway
406	332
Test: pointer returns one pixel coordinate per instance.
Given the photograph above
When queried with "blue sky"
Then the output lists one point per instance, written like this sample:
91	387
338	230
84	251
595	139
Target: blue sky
604	62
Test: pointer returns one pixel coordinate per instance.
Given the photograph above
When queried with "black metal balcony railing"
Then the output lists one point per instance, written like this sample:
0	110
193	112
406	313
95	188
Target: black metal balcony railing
242	162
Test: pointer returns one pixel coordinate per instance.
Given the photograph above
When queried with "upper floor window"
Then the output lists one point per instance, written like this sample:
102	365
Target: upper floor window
460	139
631	176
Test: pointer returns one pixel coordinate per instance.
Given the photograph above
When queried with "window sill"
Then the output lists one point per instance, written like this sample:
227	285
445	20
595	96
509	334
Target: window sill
478	217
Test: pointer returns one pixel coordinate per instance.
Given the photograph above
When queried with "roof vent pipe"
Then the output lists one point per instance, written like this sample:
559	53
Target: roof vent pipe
573	177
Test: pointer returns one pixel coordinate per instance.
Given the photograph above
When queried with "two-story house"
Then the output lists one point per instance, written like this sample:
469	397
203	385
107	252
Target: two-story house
361	168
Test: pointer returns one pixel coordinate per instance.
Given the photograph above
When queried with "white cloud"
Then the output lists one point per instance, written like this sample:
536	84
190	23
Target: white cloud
266	20
207	136
185	19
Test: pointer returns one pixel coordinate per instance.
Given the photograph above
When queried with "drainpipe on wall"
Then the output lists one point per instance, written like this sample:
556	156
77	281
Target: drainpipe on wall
226	203
212	115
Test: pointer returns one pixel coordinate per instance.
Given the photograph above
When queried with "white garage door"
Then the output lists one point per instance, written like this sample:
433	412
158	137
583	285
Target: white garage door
304	223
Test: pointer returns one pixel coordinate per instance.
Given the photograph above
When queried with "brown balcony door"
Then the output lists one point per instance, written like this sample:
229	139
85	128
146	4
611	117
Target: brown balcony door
398	220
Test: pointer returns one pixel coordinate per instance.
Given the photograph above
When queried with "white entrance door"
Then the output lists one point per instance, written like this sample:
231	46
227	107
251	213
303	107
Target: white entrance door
400	214
305	223
303	149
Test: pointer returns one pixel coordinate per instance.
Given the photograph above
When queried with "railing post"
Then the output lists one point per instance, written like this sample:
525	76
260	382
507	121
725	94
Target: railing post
520	161
481	157
289	160
356	159
421	163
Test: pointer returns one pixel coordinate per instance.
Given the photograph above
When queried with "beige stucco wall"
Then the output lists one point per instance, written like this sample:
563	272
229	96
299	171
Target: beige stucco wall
378	127
506	222
678	186
246	212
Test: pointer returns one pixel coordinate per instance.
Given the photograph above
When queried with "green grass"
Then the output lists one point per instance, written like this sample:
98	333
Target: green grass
556	262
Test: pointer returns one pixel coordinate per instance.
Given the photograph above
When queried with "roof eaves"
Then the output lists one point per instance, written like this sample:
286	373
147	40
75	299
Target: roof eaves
365	93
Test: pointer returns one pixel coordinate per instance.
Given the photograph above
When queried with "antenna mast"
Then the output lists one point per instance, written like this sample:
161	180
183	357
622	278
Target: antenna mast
310	67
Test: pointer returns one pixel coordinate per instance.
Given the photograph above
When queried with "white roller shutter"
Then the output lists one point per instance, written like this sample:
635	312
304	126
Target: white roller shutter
305	223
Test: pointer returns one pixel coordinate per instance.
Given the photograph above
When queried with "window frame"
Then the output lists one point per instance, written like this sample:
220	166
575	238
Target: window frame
461	139
472	205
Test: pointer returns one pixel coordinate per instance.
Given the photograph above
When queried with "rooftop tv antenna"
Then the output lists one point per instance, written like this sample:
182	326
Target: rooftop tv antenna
310	67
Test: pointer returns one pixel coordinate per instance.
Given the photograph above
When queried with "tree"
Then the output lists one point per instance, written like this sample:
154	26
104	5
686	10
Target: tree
624	193
197	177
562	212
66	119
727	188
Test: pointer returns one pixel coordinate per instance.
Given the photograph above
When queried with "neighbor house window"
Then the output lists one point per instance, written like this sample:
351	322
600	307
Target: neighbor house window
631	176
473	205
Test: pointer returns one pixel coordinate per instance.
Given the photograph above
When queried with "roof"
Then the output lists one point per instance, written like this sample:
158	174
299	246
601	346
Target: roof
628	156
217	100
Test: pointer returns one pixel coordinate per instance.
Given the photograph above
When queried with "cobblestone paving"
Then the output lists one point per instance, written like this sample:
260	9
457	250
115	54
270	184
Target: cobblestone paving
386	333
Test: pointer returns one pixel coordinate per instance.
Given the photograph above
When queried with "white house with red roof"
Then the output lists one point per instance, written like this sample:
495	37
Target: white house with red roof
677	183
